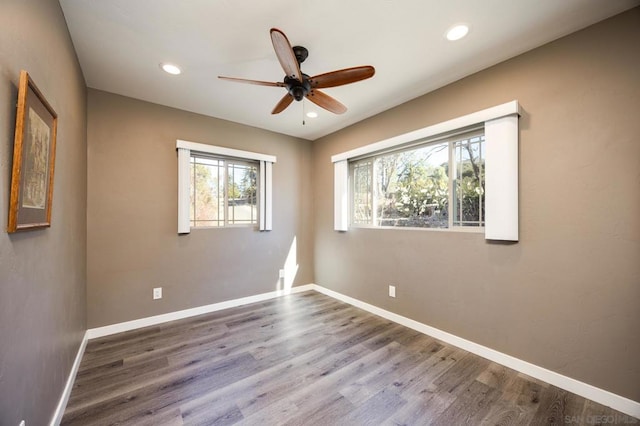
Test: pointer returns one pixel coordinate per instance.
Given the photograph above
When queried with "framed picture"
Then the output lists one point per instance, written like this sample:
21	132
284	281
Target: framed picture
34	154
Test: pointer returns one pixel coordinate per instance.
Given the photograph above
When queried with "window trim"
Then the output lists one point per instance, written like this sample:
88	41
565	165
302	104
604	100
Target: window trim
501	166
224	151
265	179
446	127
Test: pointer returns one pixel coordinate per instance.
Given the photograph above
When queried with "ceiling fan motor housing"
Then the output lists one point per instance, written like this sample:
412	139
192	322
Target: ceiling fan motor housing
296	88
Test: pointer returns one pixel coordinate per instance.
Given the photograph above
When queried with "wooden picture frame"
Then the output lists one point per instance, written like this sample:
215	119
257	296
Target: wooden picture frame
34	154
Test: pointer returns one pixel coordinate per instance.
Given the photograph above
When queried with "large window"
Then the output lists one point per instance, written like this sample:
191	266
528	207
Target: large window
437	184
223	192
457	174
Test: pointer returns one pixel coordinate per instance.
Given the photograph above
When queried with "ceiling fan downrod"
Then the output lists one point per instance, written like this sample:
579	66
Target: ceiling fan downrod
301	53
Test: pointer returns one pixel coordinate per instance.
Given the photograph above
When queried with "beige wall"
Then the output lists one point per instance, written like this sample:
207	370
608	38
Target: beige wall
567	296
42	272
133	243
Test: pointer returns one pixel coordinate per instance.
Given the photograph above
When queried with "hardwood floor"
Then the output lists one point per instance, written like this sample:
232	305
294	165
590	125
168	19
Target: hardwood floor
305	359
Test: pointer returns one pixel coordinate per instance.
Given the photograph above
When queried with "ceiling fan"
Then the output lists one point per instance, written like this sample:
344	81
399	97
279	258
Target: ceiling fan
299	85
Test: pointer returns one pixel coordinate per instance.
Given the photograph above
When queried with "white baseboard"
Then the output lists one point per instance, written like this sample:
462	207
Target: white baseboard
64	398
186	313
601	396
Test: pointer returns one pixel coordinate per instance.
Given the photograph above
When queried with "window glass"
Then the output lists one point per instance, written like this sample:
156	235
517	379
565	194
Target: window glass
222	192
469	182
242	194
414	187
362	195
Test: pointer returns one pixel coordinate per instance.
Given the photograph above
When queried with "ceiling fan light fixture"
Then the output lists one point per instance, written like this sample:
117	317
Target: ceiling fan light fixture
457	32
170	68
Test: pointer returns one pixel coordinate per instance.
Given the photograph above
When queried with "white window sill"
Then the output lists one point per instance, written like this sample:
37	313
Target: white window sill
253	227
458	229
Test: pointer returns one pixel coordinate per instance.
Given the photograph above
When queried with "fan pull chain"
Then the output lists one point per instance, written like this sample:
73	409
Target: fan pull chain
303	105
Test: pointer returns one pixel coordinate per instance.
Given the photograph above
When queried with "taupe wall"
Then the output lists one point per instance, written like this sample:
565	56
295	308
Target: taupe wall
43	272
567	296
133	243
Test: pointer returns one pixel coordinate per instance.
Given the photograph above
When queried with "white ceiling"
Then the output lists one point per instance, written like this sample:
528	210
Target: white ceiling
120	44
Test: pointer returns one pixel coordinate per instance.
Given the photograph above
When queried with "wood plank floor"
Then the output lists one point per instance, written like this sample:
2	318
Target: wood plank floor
305	359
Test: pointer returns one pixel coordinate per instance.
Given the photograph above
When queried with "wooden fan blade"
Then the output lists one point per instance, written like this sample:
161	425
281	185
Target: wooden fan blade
257	82
283	104
285	54
340	77
327	102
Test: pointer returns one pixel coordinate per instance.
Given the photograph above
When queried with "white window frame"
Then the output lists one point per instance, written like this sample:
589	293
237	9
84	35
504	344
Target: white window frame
225	164
265	181
501	166
450	141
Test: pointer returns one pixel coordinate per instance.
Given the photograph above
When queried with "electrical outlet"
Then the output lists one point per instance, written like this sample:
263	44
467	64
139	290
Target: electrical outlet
157	293
392	291
281	275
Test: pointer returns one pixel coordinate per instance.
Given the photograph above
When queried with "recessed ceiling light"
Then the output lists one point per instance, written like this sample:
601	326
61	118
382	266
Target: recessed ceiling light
171	69
312	114
457	32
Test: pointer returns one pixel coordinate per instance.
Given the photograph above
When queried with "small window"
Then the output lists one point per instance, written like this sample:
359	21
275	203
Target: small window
223	192
223	187
437	184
